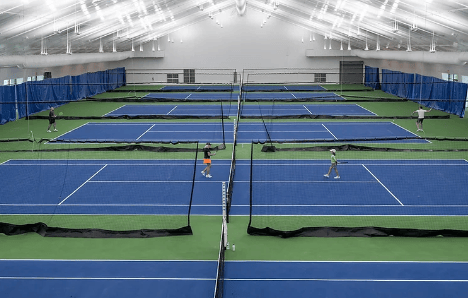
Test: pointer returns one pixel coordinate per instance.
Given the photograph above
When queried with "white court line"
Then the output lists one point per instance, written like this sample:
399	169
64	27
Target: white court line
412	206
66	133
185	131
82	185
415	135
150	181
145	132
99	278
384	186
156	124
3	163
240	205
347	280
114	110
241	130
130	260
366	109
189	95
307	109
329	131
172	110
107	205
189	163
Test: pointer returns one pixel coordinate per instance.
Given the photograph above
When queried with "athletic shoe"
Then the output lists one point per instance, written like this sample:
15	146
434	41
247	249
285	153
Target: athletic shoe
208	176
55	130
326	176
337	177
203	173
48	131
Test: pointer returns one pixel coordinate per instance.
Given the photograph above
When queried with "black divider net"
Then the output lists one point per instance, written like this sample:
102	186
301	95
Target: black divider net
387	188
103	191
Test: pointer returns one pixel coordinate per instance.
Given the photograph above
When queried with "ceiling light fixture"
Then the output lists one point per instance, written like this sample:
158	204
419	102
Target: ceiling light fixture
395	26
408	48
101	48
432	48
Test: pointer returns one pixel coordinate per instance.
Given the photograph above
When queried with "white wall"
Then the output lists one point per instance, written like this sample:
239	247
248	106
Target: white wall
241	44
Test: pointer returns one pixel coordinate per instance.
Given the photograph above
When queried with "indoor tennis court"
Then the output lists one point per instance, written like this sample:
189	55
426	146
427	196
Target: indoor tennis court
225	148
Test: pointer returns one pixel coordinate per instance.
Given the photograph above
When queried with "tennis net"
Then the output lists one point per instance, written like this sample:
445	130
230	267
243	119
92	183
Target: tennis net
115	190
219	286
223	245
232	169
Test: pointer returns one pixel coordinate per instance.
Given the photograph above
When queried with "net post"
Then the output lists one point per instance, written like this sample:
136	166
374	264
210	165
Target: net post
224	200
224	229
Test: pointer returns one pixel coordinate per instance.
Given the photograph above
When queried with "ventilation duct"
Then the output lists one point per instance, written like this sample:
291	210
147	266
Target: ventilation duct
460	58
43	61
241	6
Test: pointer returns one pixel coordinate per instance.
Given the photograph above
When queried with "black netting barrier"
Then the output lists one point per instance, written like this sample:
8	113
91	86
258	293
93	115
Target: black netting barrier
219	286
95	190
407	187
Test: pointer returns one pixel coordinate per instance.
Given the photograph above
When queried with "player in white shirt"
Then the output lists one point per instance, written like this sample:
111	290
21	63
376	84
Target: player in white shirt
421	112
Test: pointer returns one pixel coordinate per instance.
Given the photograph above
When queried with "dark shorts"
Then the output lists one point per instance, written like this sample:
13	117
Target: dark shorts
420	120
51	120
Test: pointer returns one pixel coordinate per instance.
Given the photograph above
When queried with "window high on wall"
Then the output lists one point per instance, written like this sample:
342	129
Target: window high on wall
173	78
450	77
320	78
189	75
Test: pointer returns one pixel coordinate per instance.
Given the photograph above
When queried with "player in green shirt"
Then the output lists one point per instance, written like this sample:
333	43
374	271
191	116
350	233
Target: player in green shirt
334	164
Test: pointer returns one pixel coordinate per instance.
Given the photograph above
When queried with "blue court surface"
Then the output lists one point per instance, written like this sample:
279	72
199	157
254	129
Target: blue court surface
110	187
253	96
196	279
159	132
213	132
106	279
203	88
250	279
269	88
290	131
247	110
196	96
366	187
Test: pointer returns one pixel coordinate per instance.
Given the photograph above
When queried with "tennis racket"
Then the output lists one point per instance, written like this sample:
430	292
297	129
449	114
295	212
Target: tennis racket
342	162
61	114
220	147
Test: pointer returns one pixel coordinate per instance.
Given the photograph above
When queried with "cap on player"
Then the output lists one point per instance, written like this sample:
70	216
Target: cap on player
333	150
